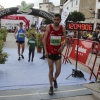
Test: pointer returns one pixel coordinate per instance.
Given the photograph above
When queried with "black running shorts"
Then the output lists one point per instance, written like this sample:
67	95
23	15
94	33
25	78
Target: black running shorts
20	42
54	57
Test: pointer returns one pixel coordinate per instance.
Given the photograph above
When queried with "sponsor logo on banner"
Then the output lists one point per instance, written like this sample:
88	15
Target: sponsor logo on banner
11	17
25	8
83	50
80	49
4	12
45	15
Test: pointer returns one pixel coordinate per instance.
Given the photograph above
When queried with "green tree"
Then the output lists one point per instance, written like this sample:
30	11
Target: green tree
76	16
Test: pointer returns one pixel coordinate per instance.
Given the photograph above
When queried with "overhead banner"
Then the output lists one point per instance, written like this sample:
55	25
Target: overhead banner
83	50
79	26
26	8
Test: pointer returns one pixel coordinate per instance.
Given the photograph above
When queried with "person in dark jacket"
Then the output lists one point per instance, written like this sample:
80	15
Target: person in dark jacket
31	43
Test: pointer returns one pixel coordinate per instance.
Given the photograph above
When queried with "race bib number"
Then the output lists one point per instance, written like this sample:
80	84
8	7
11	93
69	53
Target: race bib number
55	40
21	35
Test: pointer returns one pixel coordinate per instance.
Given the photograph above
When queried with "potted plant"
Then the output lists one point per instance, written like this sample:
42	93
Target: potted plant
39	42
3	33
3	55
31	31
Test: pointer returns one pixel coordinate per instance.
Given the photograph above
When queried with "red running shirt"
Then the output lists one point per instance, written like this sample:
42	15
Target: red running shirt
54	40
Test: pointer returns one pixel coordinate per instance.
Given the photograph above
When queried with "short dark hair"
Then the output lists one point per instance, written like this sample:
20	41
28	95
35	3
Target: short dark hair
33	35
21	22
57	15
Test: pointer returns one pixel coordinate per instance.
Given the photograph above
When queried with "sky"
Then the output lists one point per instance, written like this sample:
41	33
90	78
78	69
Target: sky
14	3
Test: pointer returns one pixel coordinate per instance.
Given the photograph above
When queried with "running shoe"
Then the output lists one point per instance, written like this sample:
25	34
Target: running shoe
51	91
55	84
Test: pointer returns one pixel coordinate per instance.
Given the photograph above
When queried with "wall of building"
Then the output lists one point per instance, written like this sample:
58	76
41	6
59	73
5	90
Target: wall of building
82	6
97	7
49	7
56	9
86	6
44	6
72	5
62	1
44	1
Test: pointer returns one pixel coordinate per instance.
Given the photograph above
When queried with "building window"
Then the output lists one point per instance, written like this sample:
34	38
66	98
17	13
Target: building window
46	6
76	2
98	13
40	6
67	8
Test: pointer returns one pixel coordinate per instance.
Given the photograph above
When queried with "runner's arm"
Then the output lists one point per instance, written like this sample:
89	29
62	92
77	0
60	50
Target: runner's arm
25	32
15	33
45	38
64	34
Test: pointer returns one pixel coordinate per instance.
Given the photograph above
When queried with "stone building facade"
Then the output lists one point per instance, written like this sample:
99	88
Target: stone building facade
85	6
49	7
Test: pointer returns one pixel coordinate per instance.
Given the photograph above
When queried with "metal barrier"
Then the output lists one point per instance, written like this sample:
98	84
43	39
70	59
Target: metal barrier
68	49
85	53
98	72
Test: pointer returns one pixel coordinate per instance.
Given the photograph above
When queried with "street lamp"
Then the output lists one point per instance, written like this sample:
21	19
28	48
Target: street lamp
93	12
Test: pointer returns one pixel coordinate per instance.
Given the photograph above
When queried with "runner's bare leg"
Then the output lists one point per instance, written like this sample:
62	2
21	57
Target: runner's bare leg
18	45
23	47
50	63
58	68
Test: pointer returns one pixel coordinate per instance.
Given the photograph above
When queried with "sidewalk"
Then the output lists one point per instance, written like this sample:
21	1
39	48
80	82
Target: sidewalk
93	87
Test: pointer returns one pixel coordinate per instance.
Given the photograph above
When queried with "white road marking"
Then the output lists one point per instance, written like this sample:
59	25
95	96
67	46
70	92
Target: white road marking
41	93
